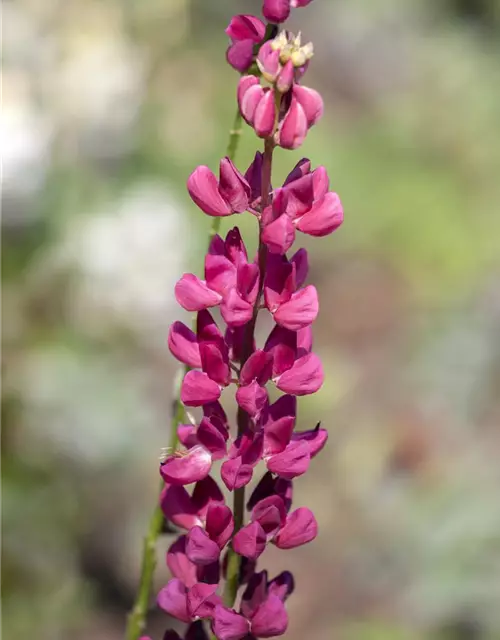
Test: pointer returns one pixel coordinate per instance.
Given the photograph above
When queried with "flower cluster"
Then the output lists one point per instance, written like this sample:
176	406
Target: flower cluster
217	554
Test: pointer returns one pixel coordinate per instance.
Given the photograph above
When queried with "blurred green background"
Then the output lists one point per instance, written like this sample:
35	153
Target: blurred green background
107	107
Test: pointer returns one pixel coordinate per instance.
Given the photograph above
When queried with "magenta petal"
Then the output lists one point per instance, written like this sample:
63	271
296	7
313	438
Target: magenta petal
202	600
258	367
315	438
233	187
204	190
206	328
252	398
200	549
286	77
282	586
279	235
264	116
270	513
243	27
304	341
248	282
250	541
205	492
178	507
194	295
301	527
173	600
194	465
282	344
179	564
306	376
276	10
293	128
229	625
220	273
292	462
235	311
212	438
183	345
240	55
324	217
277	435
219	524
187	435
254	594
301	262
215	362
253	176
310	101
300	311
235	474
197	389
270	619
268	61
302	168
250	93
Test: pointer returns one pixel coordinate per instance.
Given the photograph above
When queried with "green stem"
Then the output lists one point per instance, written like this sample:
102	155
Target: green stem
136	621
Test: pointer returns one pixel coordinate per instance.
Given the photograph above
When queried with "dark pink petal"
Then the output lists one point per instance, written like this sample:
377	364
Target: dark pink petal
198	389
248	282
207	329
205	492
250	93
306	376
195	631
250	541
270	619
284	407
276	10
240	55
282	586
270	486
252	398
254	594
299	3
215	409
187	435
264	116
293	128
315	438
179	564
310	101
183	344
282	344
173	600
219	524
270	513
243	27
194	465
178	507
292	462
215	362
202	600
212	438
301	262
200	549
301	527
321	182
302	168
300	311
220	273
235	247
304	341
279	235
254	177
279	283
277	435
324	217
216	246
258	367
193	294
229	625
235	311
235	473
233	187
204	190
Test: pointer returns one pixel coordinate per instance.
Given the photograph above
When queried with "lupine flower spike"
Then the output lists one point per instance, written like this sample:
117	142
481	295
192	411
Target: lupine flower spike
215	587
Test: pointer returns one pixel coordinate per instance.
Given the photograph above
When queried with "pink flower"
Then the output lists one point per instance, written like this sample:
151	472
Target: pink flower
219	198
278	10
245	32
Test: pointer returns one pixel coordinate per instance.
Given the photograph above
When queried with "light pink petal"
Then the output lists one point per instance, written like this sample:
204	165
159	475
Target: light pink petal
270	619
219	524
190	467
293	128
204	191
300	311
250	93
229	625
268	61
194	295
310	101
178	507
292	462
236	474
258	367
173	600
286	77
304	377
233	187
235	311
265	115
324	216
250	541
243	27
183	345
315	438
200	549
252	398
279	235
301	527
197	389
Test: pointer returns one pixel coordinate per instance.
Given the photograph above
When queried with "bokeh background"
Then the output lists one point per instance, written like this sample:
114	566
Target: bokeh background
107	106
